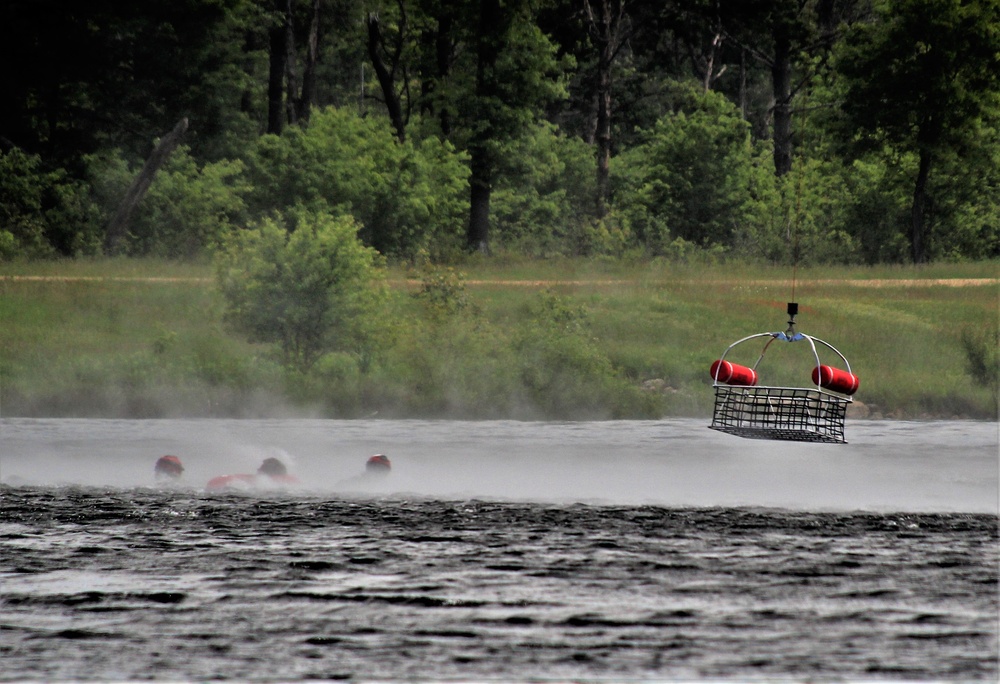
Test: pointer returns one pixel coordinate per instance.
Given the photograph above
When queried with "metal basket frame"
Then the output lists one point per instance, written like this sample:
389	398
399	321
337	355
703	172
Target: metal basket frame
802	414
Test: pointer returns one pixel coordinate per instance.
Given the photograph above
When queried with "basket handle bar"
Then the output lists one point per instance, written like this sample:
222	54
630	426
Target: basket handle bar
782	336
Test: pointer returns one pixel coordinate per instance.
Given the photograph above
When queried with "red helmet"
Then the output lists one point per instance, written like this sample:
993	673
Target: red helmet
378	463
169	465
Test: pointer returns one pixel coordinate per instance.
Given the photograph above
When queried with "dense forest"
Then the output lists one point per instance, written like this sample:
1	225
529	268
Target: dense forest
822	131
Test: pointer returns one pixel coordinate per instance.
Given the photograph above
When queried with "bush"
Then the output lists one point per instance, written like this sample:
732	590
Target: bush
544	198
43	213
306	283
408	197
689	178
982	359
186	211
800	217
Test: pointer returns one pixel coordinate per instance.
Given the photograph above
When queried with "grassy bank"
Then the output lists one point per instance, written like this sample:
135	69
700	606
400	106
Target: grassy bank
520	339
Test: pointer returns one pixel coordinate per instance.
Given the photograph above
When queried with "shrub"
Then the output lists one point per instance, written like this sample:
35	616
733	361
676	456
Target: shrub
982	359
544	198
407	197
186	211
689	177
304	282
800	217
43	213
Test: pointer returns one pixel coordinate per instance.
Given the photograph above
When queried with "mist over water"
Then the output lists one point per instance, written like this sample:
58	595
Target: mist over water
497	551
886	466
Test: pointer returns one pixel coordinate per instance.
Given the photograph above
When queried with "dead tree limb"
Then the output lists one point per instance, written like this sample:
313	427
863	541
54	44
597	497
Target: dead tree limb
118	226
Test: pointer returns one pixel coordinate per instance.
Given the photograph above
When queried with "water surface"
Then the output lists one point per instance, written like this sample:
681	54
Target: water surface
498	551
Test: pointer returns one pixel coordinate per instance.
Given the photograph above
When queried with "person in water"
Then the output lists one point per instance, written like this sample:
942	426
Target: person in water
276	470
378	465
168	468
271	471
374	477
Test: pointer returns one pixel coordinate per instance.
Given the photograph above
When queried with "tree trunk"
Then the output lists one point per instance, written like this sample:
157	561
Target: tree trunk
309	96
919	207
481	163
478	235
781	79
118	226
385	77
603	28
276	77
291	77
443	53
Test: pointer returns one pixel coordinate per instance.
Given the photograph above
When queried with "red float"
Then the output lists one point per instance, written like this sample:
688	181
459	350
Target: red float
835	379
733	374
237	481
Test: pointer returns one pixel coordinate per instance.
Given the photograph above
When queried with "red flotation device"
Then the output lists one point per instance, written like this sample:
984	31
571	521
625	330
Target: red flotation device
271	472
733	374
238	481
835	379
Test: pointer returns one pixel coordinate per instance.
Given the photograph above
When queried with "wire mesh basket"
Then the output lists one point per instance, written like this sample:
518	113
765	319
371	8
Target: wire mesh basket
782	413
802	414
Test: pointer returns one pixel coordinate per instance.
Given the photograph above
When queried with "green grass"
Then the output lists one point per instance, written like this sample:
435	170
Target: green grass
99	339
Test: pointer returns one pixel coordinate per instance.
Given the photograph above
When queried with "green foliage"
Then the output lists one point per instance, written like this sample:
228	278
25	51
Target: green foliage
544	198
965	216
304	282
42	213
502	94
982	358
457	366
799	217
923	79
187	210
878	210
443	292
563	370
527	73
922	72
407	196
689	177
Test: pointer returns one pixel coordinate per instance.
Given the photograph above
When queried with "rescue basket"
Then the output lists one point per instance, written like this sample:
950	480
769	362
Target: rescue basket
803	414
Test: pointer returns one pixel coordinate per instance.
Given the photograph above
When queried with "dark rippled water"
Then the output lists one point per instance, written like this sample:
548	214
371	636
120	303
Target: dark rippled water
124	581
111	585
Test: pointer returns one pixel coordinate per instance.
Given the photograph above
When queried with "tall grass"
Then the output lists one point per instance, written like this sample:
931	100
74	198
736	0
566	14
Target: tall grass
511	338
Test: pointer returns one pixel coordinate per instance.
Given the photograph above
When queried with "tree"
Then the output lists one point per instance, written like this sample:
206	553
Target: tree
119	224
378	53
287	100
304	282
516	75
609	27
690	177
920	78
406	196
791	38
108	74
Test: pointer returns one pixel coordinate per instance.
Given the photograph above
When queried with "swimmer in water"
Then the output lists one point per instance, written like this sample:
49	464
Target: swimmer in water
375	477
276	470
378	465
168	468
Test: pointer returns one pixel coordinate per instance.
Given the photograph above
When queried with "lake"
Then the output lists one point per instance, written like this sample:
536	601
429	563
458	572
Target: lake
595	551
